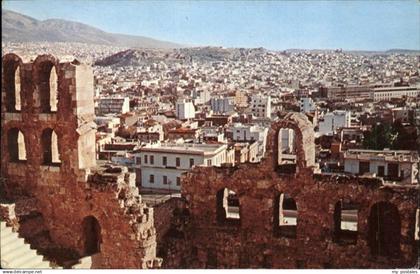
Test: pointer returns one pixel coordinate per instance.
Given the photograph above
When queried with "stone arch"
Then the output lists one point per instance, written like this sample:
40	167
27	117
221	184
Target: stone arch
285	217
92	238
304	139
12	82
384	232
46	81
227	207
49	141
16	145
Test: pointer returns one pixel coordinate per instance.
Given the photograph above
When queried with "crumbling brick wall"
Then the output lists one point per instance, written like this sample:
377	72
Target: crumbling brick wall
252	242
171	219
69	191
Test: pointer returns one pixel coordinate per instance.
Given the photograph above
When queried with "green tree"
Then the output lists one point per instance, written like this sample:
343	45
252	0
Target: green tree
382	136
405	137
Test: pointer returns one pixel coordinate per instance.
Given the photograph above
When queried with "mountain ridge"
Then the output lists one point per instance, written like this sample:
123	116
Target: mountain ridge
17	27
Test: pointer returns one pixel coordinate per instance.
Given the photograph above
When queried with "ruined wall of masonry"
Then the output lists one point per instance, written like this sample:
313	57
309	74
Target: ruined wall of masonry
253	242
68	192
171	220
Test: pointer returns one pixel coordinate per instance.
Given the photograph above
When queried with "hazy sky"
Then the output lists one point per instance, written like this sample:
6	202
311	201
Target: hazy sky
369	25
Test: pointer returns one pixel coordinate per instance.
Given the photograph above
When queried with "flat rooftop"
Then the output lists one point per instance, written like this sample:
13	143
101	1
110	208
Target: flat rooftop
395	88
184	148
385	155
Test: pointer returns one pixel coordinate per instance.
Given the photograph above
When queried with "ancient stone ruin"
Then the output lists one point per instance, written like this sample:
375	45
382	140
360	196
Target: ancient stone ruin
263	215
255	215
66	206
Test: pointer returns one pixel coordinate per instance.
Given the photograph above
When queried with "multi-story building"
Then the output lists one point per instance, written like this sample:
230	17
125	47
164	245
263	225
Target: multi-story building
352	92
246	152
261	106
307	105
117	105
160	166
201	97
392	165
185	109
151	131
388	93
334	120
251	133
222	104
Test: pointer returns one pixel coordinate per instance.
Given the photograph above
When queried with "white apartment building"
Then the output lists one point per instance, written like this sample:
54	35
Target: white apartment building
222	104
248	133
386	94
261	106
185	109
307	105
392	165
334	120
118	105
201	97
160	166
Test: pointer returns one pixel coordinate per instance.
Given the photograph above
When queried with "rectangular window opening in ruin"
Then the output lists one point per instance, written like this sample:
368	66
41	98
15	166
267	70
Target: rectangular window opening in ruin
287	215
228	208
232	211
346	222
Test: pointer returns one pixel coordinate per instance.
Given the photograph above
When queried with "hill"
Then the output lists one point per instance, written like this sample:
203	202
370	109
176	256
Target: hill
136	57
17	27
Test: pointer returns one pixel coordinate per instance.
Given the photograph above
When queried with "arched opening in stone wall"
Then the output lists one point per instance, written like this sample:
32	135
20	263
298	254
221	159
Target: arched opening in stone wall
345	222
16	145
47	86
285	216
292	144
12	85
91	235
286	151
384	230
50	150
228	208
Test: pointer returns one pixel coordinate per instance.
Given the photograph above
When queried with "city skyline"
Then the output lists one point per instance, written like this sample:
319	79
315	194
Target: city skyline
275	25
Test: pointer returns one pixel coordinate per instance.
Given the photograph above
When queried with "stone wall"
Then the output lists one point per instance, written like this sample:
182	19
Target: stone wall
171	220
70	191
254	241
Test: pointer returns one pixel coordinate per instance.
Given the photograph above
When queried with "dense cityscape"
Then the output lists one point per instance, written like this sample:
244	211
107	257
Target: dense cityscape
275	154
